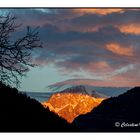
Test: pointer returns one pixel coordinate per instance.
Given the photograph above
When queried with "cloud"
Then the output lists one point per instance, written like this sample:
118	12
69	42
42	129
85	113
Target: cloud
97	11
93	20
98	43
122	70
117	49
130	29
72	52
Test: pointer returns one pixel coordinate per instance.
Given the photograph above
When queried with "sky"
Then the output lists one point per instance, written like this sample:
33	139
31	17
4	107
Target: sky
98	44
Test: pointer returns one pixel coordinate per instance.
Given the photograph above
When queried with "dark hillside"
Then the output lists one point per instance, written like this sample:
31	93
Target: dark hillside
20	113
123	109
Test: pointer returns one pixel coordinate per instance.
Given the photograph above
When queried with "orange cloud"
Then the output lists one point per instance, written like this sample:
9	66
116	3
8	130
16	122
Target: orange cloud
101	66
131	29
98	11
117	49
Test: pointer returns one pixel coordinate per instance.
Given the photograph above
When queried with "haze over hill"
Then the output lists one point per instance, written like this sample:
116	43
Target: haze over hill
89	85
60	87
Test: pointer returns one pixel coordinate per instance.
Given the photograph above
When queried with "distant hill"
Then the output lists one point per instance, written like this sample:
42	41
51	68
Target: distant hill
44	96
123	109
89	86
83	90
20	113
39	96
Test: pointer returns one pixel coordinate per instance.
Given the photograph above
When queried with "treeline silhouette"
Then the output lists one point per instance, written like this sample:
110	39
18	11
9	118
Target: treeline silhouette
20	113
123	110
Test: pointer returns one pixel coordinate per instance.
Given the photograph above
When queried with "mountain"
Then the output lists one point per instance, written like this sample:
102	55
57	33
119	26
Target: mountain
72	102
82	90
39	96
44	96
20	113
90	86
122	111
75	89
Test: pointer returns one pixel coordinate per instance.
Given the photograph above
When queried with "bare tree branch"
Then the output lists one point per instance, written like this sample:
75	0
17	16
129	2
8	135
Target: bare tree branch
15	56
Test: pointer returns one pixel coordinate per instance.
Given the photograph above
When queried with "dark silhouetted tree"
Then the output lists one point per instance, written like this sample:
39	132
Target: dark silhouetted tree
15	55
20	113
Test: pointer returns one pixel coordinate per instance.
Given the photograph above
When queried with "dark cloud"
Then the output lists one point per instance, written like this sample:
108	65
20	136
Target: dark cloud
76	50
75	42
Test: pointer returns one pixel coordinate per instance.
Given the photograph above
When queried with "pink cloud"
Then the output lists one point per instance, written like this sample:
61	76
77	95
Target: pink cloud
120	50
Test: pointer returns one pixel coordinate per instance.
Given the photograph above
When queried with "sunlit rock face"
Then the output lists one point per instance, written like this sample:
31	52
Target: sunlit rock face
69	105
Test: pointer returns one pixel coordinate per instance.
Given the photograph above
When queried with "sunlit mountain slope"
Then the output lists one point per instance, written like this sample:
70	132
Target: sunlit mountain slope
72	102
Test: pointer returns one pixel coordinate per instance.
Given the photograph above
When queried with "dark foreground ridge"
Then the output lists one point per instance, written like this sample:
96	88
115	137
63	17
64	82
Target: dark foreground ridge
116	114
20	113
